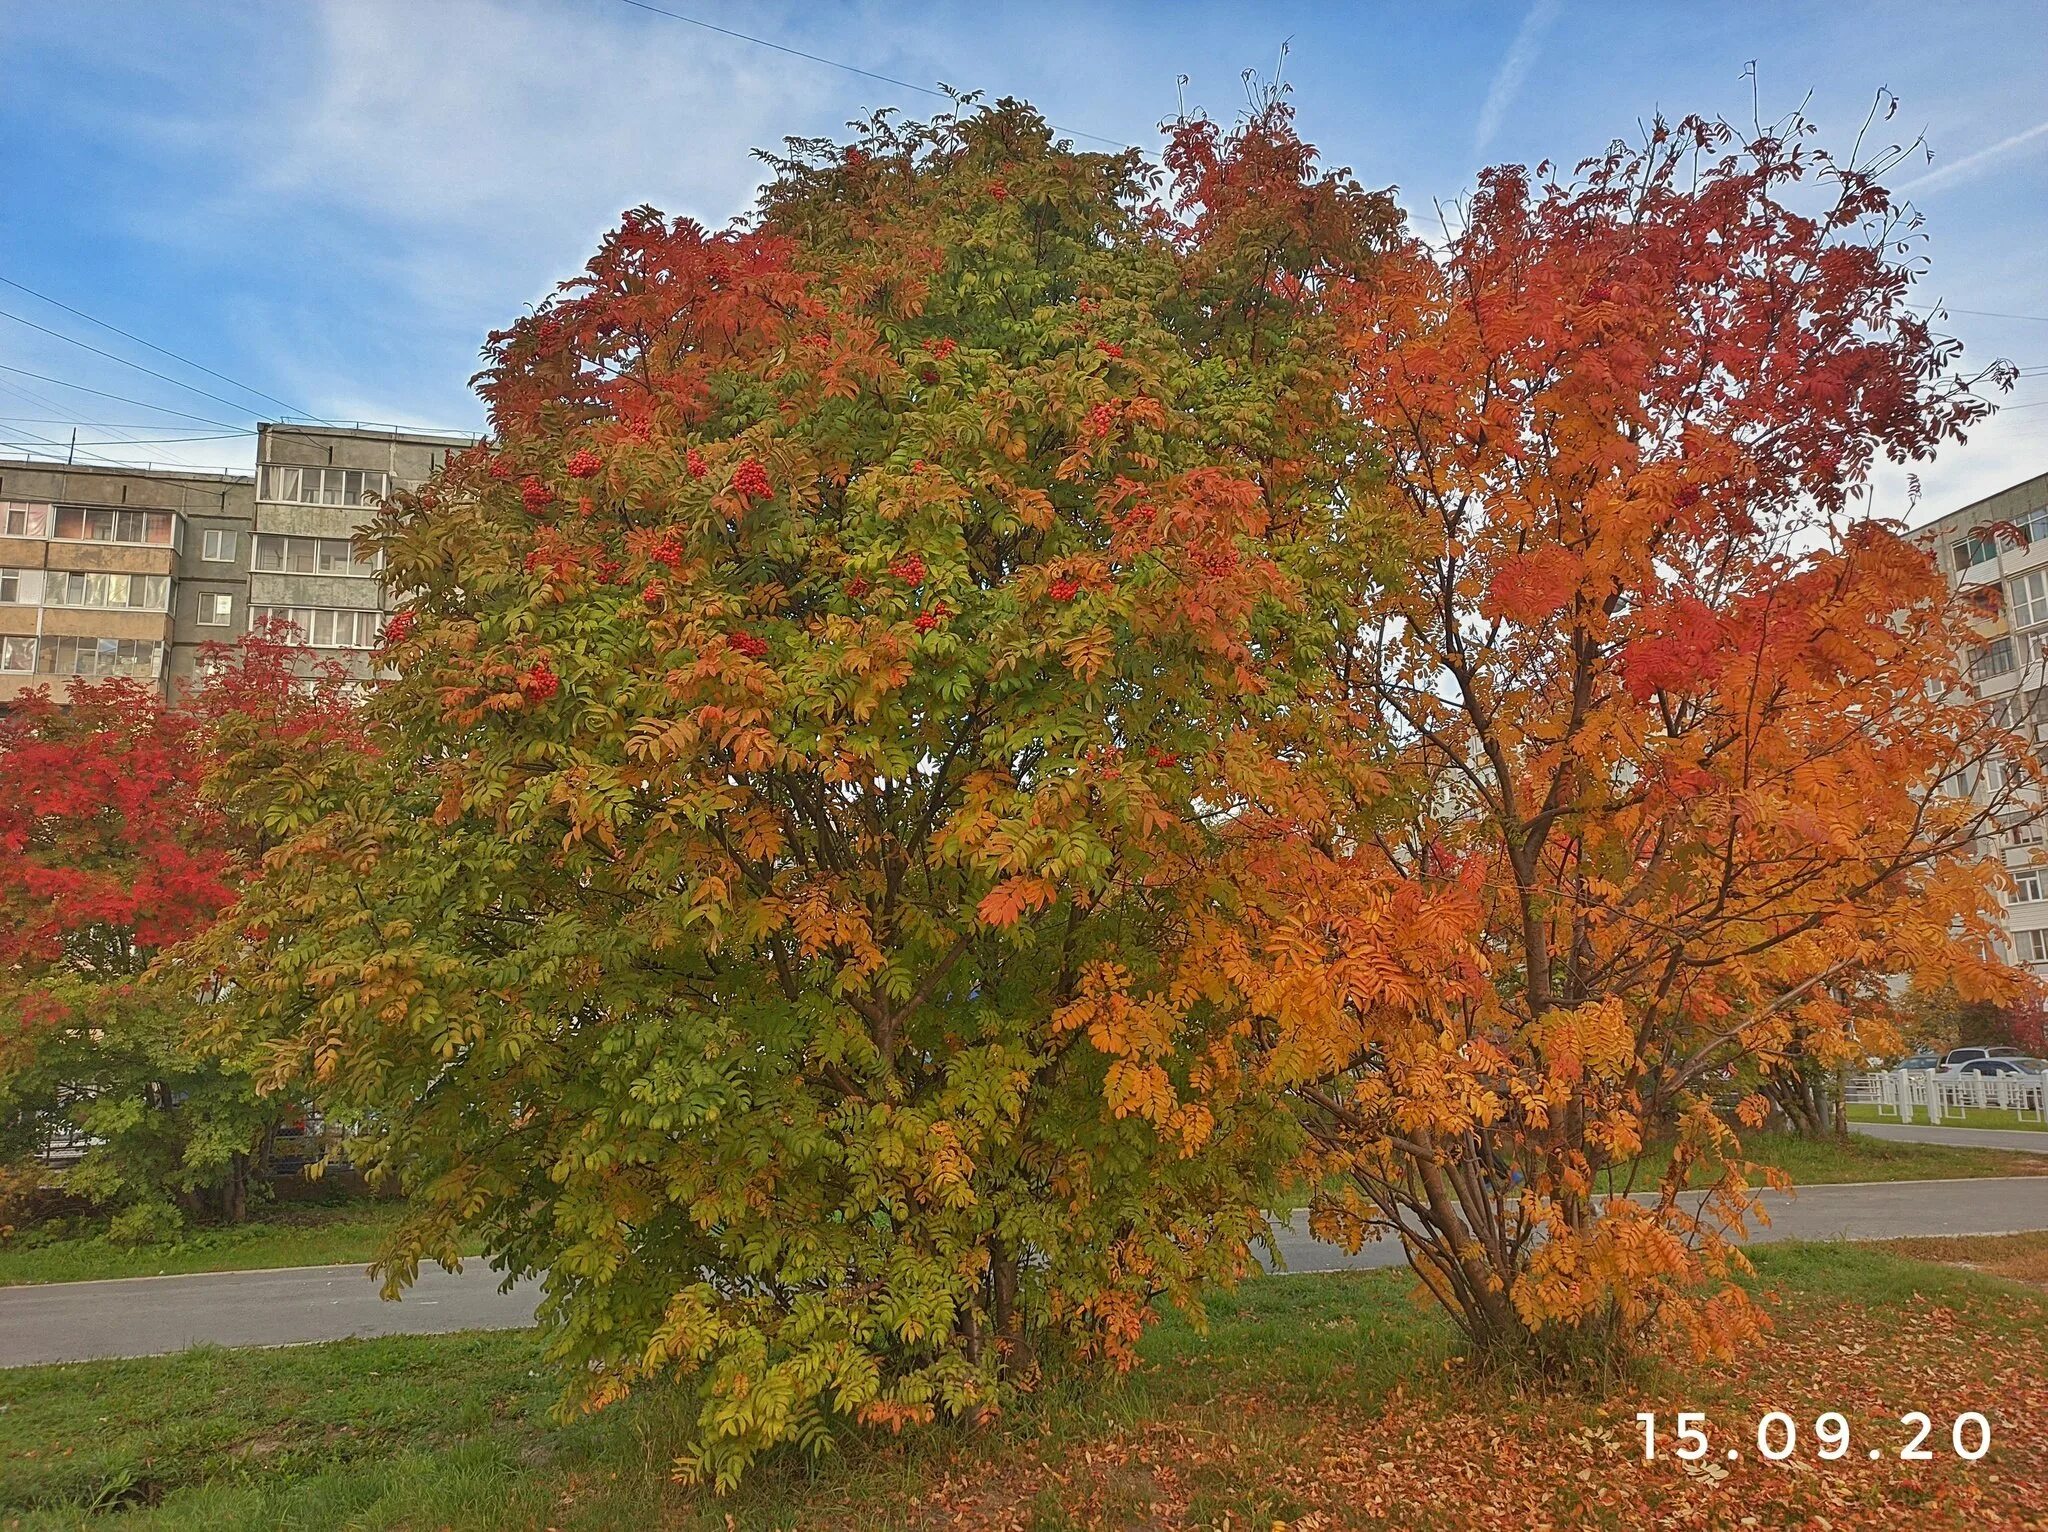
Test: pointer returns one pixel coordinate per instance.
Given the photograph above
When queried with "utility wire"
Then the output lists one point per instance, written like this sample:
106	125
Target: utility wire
120	433
73	340
151	345
869	74
97	425
101	393
166	441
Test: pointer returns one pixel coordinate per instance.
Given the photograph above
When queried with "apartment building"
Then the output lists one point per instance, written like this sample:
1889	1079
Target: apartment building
117	571
1999	546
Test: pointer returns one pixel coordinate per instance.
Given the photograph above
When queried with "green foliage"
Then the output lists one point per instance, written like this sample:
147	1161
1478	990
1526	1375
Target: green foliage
803	748
114	853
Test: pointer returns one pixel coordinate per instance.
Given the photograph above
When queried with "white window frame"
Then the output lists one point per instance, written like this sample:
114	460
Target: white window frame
291	484
2026	599
87	513
57	590
320	626
2026	885
216	609
1990	661
115	649
286	547
13	648
21	587
217	545
25	518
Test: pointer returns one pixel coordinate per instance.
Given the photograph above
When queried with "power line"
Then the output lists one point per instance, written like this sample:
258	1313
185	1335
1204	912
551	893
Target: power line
47	402
100	393
97	425
169	441
73	340
71	449
868	74
151	345
1982	313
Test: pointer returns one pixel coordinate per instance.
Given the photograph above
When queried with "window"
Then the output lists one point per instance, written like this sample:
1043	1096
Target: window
2027	833
1992	659
2027	599
1974	549
2033	945
20	587
2034	525
321	486
103	524
17	655
25	520
277	554
2026	886
216	609
145	593
217	545
140	657
325	627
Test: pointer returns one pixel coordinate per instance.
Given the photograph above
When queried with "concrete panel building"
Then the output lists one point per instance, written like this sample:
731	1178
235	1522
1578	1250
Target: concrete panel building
1998	547
115	571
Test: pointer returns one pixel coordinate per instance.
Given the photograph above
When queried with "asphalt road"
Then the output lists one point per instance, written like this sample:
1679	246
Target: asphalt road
2031	1140
144	1316
1865	1210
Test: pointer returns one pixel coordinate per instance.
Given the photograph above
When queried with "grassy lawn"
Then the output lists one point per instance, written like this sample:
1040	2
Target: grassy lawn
1823	1162
1988	1117
1317	1402
286	1235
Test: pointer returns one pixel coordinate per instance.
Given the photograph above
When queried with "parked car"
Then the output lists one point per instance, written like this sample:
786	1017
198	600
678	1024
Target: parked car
1955	1058
1921	1060
2012	1066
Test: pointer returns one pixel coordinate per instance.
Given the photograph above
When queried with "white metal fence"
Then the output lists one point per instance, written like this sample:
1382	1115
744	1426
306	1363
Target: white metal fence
1899	1093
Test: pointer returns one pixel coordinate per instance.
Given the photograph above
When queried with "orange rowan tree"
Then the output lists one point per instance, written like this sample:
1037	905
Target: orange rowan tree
802	718
1667	730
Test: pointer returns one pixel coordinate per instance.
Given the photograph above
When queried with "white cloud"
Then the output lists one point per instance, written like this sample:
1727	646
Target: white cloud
1970	164
1514	69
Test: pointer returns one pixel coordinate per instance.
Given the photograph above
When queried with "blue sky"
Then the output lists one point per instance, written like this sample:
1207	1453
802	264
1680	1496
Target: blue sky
331	201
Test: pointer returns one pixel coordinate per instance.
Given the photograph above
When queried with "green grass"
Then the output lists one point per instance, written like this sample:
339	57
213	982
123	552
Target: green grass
1824	1162
307	1235
1988	1117
1330	1395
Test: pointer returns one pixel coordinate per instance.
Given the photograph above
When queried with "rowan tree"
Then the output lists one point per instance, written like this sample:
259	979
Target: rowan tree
111	854
752	914
1670	731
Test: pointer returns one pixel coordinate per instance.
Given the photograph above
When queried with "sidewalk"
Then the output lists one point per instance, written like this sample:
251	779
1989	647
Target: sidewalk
1964	1138
144	1316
